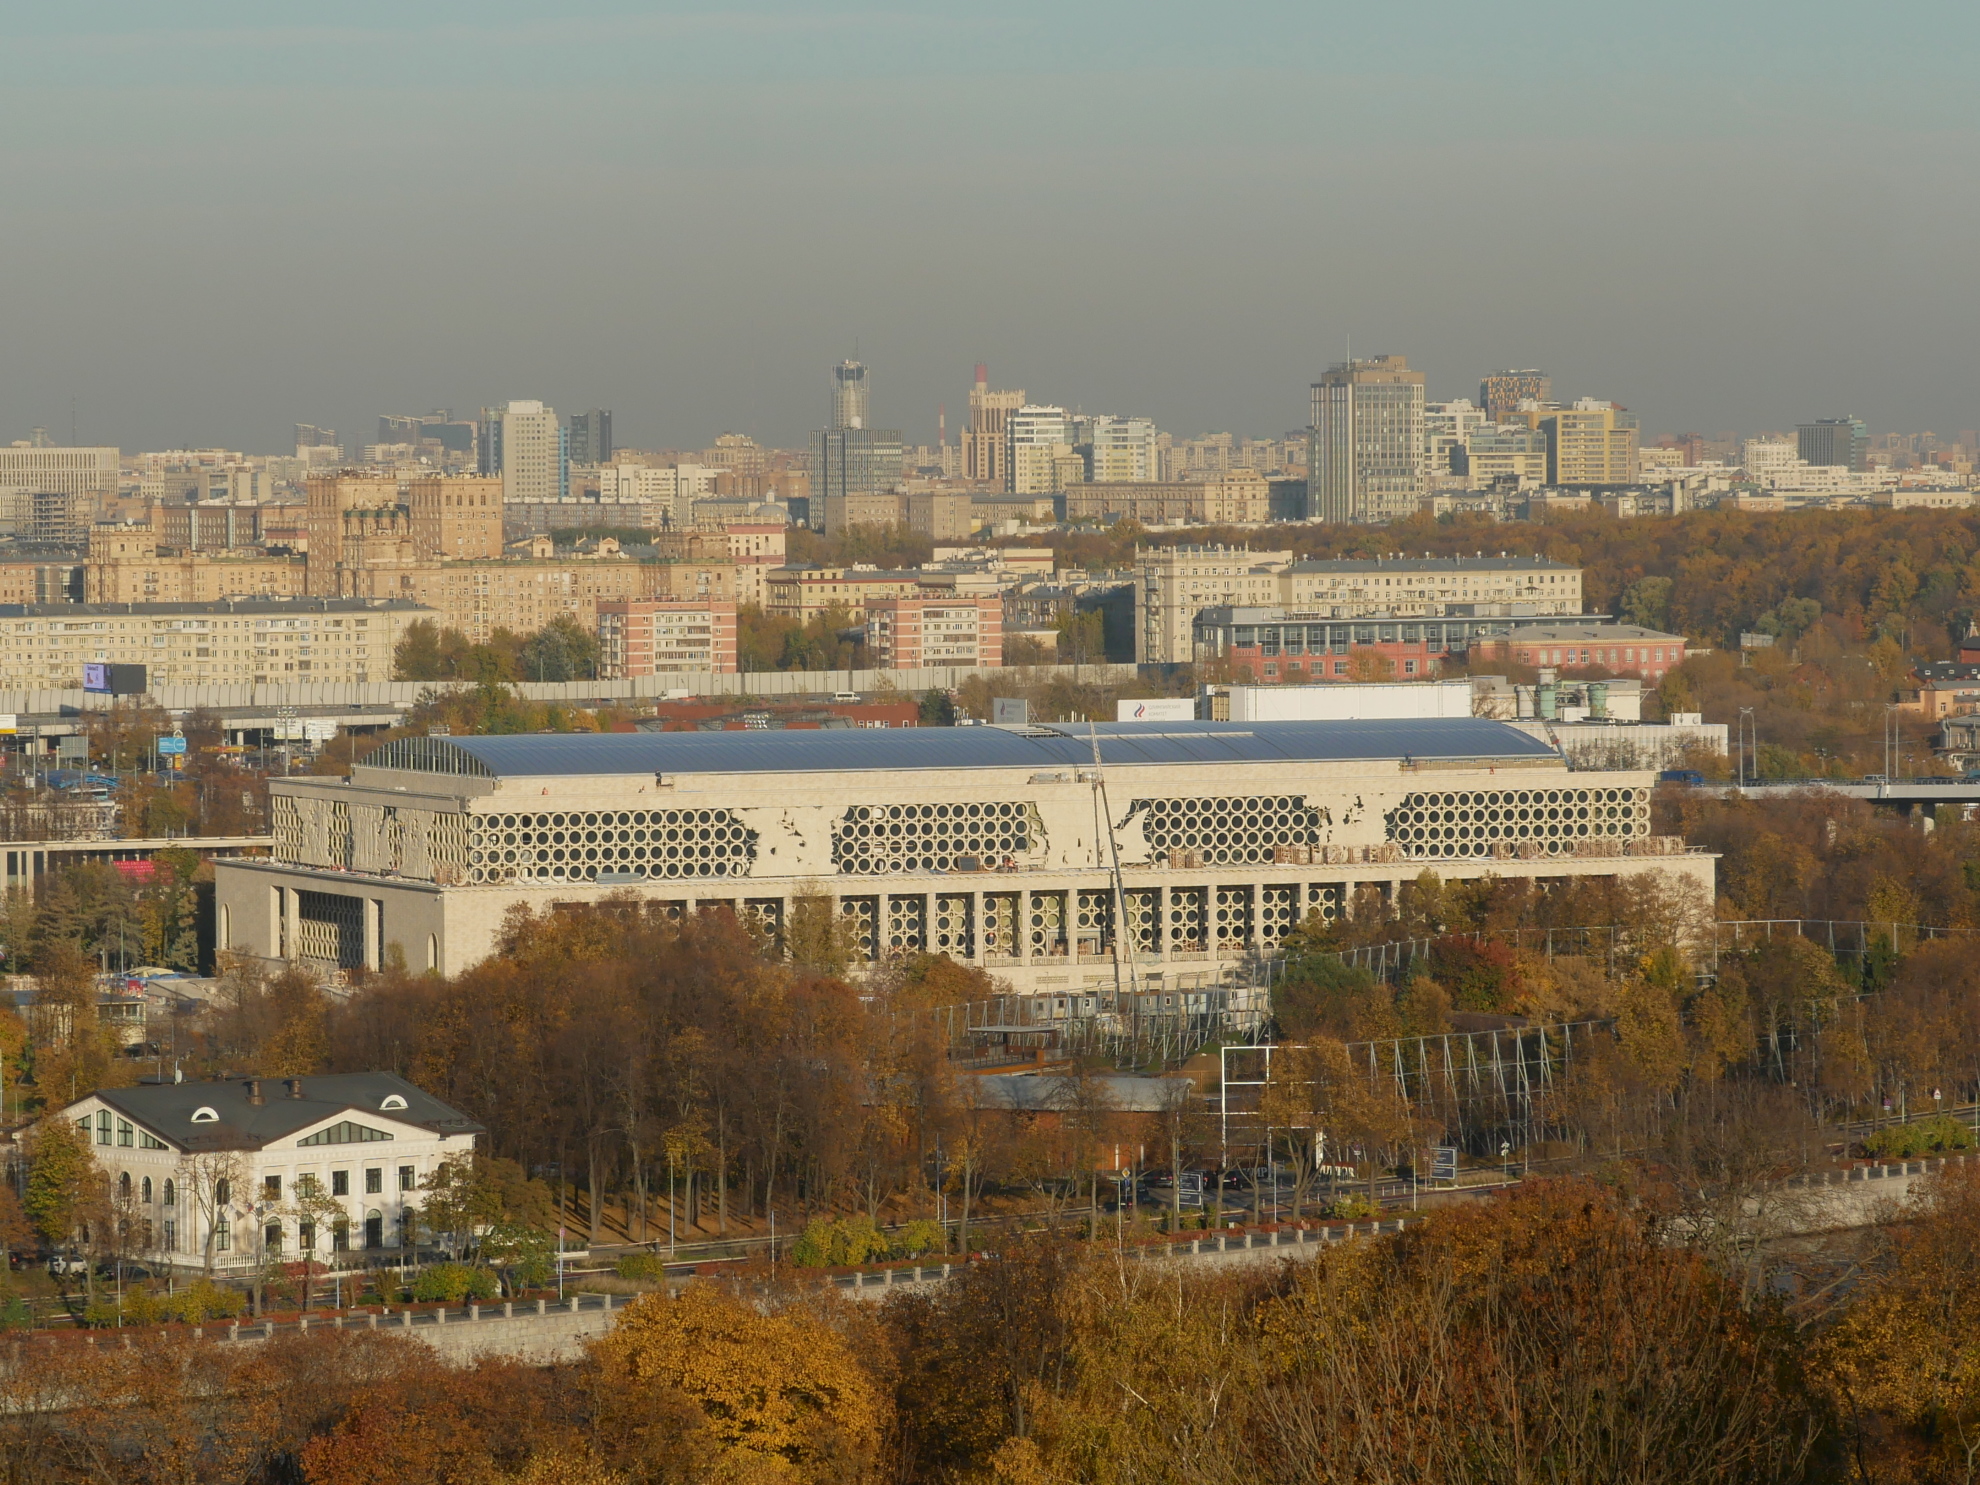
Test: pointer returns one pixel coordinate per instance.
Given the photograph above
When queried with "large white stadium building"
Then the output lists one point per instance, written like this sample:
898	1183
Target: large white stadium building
988	844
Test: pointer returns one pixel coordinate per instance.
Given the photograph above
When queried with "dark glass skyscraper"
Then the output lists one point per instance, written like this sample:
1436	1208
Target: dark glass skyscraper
590	435
1838	443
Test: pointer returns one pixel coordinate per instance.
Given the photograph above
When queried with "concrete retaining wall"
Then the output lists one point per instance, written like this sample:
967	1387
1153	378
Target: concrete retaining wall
698	683
543	1332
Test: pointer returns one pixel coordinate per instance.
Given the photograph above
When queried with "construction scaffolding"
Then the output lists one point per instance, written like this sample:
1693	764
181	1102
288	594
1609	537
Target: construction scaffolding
1159	1022
1478	1087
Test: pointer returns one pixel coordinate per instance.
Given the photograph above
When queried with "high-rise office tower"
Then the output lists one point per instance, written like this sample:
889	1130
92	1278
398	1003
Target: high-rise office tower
985	442
853	463
1501	393
535	464
1040	437
1447	426
590	436
488	440
1591	443
456	436
1365	447
849	395
1122	449
309	436
1837	443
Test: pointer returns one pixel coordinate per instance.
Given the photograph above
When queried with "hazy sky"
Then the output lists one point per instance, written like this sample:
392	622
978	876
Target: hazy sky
223	218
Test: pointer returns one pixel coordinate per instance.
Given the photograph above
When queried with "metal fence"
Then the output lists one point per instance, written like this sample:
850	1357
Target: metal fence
1843	938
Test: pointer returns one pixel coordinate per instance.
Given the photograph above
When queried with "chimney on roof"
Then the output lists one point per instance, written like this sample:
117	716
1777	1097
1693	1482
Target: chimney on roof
254	1091
295	1087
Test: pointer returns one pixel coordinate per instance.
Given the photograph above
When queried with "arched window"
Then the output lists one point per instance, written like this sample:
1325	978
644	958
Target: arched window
171	1193
222	1192
124	1187
147	1190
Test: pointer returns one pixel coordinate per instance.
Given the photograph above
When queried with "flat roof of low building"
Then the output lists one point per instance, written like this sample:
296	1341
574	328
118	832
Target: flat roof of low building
219	606
1599	634
1238	613
1042	747
1428	564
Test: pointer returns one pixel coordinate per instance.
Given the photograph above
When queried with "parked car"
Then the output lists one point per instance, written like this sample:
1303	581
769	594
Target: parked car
64	1264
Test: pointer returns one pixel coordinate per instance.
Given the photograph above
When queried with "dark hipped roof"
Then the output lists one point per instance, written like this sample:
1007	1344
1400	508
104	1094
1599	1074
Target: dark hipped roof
1067	746
166	1109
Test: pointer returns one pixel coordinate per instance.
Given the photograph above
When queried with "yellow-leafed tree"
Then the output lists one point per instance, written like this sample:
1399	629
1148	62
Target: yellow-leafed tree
780	1395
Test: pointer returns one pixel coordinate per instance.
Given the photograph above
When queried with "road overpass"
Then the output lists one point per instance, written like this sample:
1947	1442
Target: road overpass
1905	794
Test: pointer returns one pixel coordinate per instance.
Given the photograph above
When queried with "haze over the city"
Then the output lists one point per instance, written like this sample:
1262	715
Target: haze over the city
224	219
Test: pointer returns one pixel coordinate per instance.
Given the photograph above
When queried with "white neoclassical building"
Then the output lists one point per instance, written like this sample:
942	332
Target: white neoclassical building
211	1175
998	846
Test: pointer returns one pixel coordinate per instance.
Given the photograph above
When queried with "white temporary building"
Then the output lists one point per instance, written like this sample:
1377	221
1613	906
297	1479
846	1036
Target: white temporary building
1351	702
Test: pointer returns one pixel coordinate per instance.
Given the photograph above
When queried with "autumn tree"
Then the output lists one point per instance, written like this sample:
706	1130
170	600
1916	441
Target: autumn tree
1547	1335
758	1388
74	1052
1902	1363
67	1194
17	1233
976	1353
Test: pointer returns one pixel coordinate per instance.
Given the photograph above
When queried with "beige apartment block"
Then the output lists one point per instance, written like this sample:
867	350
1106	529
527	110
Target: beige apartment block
666	637
805	593
187	644
1422	587
522	596
333	501
912	633
975	843
1240	497
943	515
1174	584
1588	444
864	508
456	520
757	548
39	582
191	577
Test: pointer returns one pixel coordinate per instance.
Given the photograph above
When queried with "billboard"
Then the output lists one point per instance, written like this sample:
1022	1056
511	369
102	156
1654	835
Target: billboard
1009	711
113	680
1156	709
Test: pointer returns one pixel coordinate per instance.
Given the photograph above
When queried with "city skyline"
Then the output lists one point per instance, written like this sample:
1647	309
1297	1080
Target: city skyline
211	247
